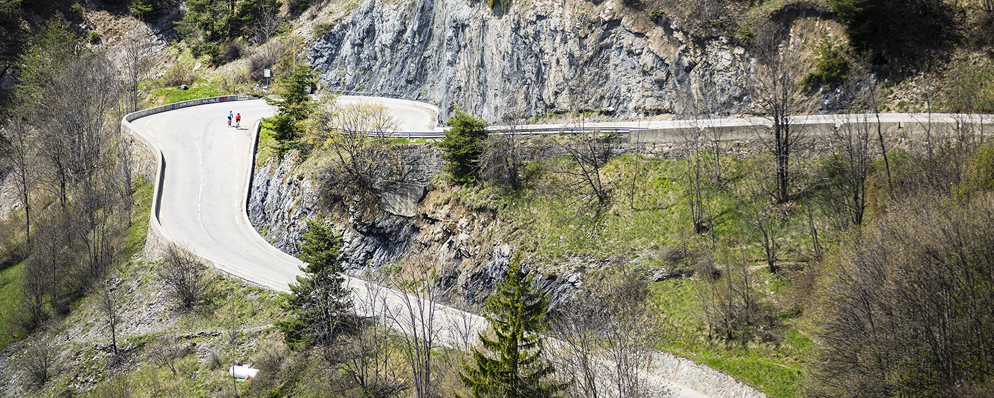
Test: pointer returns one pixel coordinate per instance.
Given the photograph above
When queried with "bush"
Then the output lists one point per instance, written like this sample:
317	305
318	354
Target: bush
907	304
185	276
93	37
177	76
831	66
206	49
13	246
978	177
38	363
462	146
259	63
146	10
230	51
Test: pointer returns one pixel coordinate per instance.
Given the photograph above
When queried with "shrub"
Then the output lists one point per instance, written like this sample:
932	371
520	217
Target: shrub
230	51
146	10
831	66
38	364
93	37
907	304
259	63
462	146
178	75
184	276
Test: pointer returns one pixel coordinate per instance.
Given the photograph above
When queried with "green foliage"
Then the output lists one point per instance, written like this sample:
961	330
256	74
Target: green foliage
319	302
43	60
462	146
293	82
9	9
978	177
78	10
210	24
831	66
93	37
10	292
776	369
511	366
146	10
970	87
500	5
900	30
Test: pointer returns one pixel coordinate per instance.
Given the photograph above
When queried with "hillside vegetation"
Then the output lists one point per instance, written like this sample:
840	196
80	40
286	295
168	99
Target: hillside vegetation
860	269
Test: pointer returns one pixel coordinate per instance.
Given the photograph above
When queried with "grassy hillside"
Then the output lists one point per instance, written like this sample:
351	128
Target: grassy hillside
10	290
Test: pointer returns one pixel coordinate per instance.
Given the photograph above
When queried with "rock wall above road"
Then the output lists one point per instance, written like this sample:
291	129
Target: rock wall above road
540	57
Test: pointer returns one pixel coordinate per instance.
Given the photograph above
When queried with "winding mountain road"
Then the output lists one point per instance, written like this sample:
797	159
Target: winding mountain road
201	206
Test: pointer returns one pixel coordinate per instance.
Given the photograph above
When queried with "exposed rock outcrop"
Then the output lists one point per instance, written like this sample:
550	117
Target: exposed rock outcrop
281	201
542	56
463	245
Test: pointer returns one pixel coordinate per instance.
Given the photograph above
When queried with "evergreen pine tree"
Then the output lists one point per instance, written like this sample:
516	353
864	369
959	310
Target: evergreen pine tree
294	78
512	366
463	145
320	301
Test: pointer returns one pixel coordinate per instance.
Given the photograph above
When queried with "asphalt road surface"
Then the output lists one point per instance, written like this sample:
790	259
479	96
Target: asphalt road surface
207	166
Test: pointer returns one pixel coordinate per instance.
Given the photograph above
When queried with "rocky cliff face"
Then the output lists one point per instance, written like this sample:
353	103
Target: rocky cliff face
539	57
464	245
281	201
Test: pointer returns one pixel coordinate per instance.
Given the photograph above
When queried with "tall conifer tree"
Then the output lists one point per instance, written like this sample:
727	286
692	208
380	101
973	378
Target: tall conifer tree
320	301
512	366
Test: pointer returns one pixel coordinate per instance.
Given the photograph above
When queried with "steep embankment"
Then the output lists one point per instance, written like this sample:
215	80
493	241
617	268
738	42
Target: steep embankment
466	244
540	57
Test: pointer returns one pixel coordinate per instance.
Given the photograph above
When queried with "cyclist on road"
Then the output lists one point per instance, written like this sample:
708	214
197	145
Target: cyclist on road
229	118
238	120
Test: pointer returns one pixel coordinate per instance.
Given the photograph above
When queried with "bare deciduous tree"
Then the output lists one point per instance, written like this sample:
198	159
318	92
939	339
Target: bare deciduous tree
270	22
415	317
110	305
848	168
167	350
768	219
589	151
39	364
625	332
780	95
501	160
729	302
356	135
907	305
367	355
135	67
184	275
605	344
19	154
702	138
73	131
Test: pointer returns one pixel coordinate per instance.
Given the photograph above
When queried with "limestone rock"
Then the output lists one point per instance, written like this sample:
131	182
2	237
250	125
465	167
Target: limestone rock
535	59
